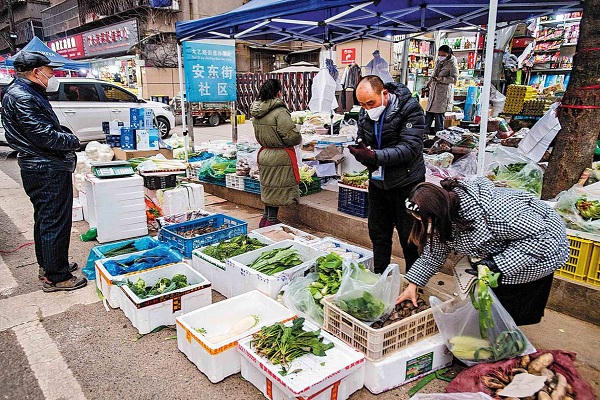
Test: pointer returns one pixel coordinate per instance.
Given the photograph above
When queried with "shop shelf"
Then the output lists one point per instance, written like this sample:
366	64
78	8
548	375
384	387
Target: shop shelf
578	263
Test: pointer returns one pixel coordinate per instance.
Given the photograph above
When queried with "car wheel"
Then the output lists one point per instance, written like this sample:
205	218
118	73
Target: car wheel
214	119
163	127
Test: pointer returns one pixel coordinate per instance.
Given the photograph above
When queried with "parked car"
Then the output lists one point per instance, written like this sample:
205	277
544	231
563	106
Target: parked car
82	104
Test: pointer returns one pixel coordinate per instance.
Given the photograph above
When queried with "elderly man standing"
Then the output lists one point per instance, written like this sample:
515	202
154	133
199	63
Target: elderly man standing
46	155
390	145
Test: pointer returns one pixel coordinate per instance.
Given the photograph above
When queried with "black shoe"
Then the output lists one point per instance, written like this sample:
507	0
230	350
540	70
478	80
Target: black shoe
42	273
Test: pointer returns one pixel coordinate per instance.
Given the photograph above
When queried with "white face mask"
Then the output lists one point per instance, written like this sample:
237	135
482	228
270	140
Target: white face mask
53	83
375	113
441	58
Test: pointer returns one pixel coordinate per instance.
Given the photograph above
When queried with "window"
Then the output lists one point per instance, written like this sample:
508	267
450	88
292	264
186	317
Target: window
80	92
114	93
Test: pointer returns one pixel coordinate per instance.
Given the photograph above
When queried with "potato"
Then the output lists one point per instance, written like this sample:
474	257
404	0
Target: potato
525	360
548	374
560	391
543	361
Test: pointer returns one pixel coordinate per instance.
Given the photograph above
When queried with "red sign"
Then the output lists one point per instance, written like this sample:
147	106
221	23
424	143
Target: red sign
348	56
70	47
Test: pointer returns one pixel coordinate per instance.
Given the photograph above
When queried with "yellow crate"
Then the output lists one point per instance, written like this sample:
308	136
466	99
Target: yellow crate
593	275
580	256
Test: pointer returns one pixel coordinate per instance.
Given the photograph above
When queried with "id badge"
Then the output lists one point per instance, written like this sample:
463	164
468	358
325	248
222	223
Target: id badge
377	174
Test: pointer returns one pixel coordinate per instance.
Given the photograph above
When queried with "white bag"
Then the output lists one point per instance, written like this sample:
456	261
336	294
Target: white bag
537	141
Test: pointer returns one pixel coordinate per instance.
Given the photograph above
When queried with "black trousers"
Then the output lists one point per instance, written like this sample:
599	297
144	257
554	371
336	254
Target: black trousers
51	193
386	211
525	302
439	121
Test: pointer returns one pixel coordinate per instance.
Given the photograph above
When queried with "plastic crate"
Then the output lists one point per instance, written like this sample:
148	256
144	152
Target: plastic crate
113	140
234	181
313	187
251	185
593	275
185	246
379	343
580	256
353	201
160	181
214	181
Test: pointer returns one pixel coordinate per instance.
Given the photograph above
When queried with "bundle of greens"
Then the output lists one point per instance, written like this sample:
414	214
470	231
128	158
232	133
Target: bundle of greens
162	286
358	179
282	344
121	250
364	308
519	176
276	260
236	246
588	209
330	277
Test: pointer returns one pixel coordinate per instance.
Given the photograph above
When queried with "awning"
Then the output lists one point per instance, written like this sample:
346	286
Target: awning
301	66
37	45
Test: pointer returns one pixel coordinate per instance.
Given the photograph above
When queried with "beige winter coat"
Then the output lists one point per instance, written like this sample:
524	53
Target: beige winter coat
440	92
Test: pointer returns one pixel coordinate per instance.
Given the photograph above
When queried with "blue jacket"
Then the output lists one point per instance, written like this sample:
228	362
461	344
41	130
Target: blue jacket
33	130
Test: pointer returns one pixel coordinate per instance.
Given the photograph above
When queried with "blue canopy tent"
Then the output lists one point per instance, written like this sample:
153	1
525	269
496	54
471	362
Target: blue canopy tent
37	45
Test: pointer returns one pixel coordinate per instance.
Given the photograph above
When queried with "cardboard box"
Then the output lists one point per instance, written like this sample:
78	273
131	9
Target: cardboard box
148	119
127	138
136	118
153	136
122	154
142	139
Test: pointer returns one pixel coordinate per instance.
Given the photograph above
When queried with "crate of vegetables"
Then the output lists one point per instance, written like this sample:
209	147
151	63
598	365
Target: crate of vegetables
311	364
117	249
353	200
270	268
358	254
187	236
310	187
157	296
281	232
406	325
210	260
209	340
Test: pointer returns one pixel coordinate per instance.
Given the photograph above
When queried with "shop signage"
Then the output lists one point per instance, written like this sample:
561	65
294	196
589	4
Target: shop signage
349	56
209	67
70	47
112	39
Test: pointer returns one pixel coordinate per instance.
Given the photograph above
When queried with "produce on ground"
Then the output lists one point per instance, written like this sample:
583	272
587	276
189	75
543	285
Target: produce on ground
282	344
236	246
329	247
357	179
162	286
402	310
365	308
195	232
588	209
277	260
243	325
330	277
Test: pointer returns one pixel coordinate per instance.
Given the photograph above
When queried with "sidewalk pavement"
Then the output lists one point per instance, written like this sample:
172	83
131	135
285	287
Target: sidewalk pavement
203	133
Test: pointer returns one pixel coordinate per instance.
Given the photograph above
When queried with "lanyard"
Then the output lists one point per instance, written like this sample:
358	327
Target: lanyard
379	130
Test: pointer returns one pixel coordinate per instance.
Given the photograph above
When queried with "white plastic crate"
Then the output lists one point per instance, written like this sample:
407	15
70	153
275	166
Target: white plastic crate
245	279
335	376
152	312
219	360
215	270
280	232
332	245
407	365
234	181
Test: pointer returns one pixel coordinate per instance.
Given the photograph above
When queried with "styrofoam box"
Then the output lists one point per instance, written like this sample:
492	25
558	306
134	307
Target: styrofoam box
152	312
244	279
317	375
215	270
104	278
219	360
329	244
415	361
296	234
77	211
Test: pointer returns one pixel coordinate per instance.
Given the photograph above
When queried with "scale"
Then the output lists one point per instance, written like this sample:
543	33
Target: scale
112	169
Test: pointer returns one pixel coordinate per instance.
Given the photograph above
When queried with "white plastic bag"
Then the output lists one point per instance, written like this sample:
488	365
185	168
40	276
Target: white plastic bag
566	206
514	170
297	298
367	296
247	153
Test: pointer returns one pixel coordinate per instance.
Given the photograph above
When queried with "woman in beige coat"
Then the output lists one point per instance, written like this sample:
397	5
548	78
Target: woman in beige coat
440	87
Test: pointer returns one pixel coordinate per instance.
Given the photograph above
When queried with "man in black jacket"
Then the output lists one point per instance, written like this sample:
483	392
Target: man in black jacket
390	145
46	155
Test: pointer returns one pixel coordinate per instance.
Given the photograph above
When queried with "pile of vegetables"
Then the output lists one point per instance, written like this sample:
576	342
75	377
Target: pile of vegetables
159	163
588	209
356	179
162	286
306	176
402	310
236	246
365	308
282	344
518	176
121	250
330	277
243	325
277	260
217	167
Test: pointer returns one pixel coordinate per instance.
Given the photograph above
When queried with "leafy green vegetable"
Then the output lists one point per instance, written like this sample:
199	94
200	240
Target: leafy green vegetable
120	250
588	209
236	246
276	260
162	286
483	301
330	277
365	308
356	179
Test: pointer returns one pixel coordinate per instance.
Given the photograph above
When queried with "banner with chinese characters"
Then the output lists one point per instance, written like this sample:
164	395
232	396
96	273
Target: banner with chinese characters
111	39
209	67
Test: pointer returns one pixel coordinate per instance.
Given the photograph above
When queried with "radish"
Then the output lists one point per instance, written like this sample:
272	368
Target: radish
243	325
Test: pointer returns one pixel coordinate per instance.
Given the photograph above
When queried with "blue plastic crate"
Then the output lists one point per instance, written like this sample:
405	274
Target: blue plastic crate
185	246
353	201
208	179
251	185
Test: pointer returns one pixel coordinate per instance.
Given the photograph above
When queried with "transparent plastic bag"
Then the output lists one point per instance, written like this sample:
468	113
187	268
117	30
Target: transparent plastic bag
367	296
297	298
516	171
459	325
247	152
569	206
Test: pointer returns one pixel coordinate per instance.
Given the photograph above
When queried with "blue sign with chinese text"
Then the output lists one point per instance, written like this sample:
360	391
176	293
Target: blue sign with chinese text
209	71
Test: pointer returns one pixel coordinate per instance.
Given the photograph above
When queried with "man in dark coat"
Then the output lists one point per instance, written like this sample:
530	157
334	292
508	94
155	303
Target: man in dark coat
46	155
390	145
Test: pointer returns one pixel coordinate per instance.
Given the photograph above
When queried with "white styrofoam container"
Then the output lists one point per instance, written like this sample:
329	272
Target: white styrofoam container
329	244
317	375
419	359
77	211
152	312
296	234
215	270
219	360
188	196
244	279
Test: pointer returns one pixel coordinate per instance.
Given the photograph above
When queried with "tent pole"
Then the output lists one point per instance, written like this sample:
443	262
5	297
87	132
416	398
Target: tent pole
186	139
332	111
487	83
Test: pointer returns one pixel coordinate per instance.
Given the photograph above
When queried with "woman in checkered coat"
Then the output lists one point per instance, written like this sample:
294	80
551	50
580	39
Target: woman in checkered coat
511	232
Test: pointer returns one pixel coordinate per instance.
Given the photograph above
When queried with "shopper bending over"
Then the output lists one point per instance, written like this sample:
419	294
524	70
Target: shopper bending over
390	131
512	232
441	85
277	163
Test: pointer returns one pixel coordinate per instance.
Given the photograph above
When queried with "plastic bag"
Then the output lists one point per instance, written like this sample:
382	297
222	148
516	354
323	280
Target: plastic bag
247	154
160	255
513	170
349	128
566	206
464	167
459	325
367	296
216	168
297	298
451	396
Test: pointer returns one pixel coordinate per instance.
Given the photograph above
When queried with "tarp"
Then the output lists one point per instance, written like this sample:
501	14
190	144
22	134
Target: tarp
301	66
37	45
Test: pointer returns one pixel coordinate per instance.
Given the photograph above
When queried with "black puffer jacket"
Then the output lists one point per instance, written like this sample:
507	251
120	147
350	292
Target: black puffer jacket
401	152
33	130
